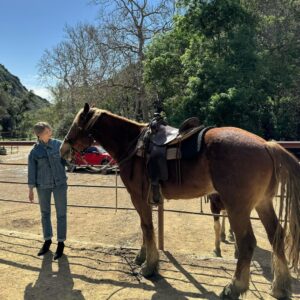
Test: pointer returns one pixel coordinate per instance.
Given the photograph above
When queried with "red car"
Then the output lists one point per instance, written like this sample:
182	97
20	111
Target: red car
92	156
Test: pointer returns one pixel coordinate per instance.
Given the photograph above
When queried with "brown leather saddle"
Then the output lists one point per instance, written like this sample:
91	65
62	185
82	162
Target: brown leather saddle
171	137
167	134
161	142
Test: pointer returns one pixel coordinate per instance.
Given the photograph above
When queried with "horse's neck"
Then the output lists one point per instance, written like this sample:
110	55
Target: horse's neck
116	135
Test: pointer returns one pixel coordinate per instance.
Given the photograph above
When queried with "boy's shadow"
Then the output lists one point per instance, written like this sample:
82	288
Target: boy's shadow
53	285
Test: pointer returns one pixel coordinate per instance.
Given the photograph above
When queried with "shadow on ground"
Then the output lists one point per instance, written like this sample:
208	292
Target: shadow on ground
53	285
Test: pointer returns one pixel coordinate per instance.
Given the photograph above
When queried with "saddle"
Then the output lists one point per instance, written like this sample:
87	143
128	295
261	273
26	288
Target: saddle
171	137
161	142
167	134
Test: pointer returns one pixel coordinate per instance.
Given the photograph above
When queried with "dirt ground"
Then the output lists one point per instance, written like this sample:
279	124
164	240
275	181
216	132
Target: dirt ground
102	243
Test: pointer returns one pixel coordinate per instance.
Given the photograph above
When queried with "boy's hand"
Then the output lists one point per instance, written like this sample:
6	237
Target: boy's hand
31	196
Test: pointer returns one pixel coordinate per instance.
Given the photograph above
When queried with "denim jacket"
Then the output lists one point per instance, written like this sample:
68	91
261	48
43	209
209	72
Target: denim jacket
46	169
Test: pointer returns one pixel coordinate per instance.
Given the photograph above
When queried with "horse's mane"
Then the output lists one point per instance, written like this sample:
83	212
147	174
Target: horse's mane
96	112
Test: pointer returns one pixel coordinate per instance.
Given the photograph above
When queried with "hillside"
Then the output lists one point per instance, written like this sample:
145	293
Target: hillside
15	101
13	87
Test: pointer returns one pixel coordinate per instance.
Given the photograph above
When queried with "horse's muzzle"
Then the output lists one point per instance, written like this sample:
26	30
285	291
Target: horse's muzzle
66	151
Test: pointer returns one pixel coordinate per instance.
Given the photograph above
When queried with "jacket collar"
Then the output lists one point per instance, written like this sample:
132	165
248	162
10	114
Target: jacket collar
46	145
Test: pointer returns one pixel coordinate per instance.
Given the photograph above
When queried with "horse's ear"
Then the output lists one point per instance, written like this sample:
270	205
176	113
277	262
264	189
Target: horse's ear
86	108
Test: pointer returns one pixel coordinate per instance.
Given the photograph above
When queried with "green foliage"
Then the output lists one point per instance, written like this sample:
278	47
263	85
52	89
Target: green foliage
163	68
15	104
29	118
231	62
4	100
288	125
63	126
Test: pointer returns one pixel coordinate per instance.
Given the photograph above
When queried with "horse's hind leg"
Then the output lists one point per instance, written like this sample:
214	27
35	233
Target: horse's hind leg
223	227
217	226
246	242
148	255
281	287
231	235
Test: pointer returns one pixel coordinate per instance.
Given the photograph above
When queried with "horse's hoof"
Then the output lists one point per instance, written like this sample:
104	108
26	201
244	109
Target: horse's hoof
231	238
148	271
281	294
276	296
217	253
229	293
140	259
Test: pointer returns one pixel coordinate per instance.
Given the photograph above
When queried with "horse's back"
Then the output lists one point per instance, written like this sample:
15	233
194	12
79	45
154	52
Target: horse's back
232	135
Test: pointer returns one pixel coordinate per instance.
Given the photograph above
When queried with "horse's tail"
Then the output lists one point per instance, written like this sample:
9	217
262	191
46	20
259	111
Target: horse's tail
287	172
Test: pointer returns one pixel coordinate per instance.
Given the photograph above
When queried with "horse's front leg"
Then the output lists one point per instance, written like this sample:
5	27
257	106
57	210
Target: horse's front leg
141	256
150	266
148	255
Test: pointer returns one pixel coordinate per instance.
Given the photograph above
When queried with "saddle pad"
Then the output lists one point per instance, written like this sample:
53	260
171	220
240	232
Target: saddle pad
189	148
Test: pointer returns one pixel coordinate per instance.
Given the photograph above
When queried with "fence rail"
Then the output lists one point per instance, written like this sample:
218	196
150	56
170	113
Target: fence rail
160	209
125	208
285	144
17	143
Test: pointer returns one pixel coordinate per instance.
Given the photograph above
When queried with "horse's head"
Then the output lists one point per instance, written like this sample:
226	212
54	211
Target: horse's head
79	137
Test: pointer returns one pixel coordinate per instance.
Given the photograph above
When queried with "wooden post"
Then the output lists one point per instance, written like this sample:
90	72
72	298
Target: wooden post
201	207
161	226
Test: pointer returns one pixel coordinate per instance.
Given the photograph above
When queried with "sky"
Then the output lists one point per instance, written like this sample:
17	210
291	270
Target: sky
29	27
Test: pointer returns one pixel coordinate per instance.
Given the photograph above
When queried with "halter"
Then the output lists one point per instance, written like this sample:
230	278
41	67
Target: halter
129	153
71	141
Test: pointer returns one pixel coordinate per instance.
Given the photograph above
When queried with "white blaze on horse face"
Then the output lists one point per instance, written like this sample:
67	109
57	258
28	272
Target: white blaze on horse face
65	151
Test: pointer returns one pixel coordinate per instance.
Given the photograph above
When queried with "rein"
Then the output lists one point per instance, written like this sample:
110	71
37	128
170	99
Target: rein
127	156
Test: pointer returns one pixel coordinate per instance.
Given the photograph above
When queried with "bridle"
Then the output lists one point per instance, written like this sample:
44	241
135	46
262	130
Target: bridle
129	153
71	142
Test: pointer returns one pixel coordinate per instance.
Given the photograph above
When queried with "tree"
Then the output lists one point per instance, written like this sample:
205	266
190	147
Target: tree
76	63
127	29
226	72
279	47
105	60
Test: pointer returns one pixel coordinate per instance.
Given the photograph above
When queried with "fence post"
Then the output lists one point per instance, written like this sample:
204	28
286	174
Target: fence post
161	226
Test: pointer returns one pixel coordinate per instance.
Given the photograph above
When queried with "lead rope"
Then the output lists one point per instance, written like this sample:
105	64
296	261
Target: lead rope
131	154
116	177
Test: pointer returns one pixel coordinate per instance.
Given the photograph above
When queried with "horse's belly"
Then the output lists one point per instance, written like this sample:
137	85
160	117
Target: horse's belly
192	181
186	192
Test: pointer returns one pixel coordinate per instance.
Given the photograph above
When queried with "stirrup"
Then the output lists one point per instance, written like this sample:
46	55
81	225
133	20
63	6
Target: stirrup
155	196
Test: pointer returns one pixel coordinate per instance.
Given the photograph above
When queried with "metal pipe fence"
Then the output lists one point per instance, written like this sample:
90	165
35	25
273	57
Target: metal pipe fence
201	199
160	208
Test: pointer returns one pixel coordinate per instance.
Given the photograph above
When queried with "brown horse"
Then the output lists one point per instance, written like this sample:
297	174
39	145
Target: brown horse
240	166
